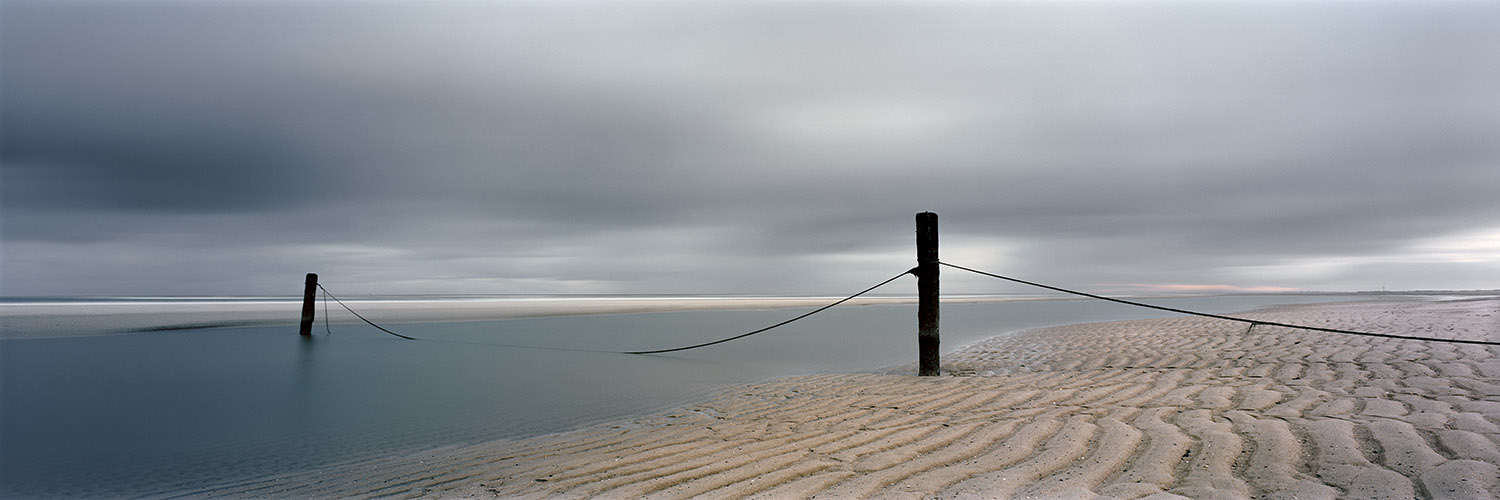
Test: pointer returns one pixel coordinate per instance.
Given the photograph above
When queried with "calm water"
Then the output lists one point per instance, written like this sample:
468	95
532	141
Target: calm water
152	413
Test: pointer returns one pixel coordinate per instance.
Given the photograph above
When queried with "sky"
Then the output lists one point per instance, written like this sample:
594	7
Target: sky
745	147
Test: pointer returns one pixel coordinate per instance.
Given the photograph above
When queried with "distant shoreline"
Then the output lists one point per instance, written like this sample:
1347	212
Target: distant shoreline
53	319
42	317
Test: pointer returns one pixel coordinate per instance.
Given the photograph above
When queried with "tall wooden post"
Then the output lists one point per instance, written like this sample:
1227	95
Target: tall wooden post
927	295
309	292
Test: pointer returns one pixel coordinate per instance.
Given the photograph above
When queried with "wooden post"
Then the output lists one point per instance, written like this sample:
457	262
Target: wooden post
309	292
927	295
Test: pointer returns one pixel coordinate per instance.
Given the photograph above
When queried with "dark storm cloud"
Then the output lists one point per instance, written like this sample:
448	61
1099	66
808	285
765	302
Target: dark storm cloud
624	146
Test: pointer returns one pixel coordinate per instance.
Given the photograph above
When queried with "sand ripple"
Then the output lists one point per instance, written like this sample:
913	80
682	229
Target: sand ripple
1156	409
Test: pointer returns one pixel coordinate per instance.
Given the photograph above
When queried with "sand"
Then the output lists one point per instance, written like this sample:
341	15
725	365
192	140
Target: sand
1156	409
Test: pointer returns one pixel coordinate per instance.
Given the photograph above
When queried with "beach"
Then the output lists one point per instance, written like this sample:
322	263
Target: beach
1179	407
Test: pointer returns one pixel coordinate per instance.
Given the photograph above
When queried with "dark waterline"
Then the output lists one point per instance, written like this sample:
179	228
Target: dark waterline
153	413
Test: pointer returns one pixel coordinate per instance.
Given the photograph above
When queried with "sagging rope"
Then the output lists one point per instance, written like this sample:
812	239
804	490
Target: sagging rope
326	327
657	351
351	311
783	323
1253	322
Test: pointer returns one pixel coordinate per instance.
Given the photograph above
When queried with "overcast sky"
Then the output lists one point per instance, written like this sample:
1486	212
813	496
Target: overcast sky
745	147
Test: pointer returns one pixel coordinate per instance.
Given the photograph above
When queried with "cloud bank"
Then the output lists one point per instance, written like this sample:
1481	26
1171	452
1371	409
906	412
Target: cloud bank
744	147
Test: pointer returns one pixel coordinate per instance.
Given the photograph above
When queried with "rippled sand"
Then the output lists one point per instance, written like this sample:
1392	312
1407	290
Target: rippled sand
1157	409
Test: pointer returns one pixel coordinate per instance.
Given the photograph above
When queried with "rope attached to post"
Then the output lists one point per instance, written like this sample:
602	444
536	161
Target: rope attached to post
1252	322
783	323
326	323
351	311
657	351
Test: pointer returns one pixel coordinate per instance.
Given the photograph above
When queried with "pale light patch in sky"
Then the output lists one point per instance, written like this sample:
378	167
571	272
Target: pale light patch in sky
1477	250
1468	247
984	253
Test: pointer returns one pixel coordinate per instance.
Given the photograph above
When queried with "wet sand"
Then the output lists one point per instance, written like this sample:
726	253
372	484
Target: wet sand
1158	409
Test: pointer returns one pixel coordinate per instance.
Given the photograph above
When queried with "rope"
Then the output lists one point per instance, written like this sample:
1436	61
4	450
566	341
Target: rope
658	351
326	323
1216	316
346	306
783	323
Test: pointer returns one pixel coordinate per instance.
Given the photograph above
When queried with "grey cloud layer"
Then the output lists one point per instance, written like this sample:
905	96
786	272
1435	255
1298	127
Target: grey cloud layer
637	146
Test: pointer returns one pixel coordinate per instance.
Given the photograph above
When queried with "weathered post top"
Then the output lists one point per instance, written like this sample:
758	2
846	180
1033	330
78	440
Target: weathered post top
927	295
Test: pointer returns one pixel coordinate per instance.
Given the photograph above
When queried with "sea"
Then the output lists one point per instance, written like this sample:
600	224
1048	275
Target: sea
165	412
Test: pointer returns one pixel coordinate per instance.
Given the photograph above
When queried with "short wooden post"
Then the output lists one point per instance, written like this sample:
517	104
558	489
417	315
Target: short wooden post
309	292
927	295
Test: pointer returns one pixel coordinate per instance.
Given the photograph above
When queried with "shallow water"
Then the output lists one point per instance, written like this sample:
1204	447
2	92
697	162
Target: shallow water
153	413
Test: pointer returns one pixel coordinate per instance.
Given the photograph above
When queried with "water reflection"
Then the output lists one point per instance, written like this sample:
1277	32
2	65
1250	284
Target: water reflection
305	388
